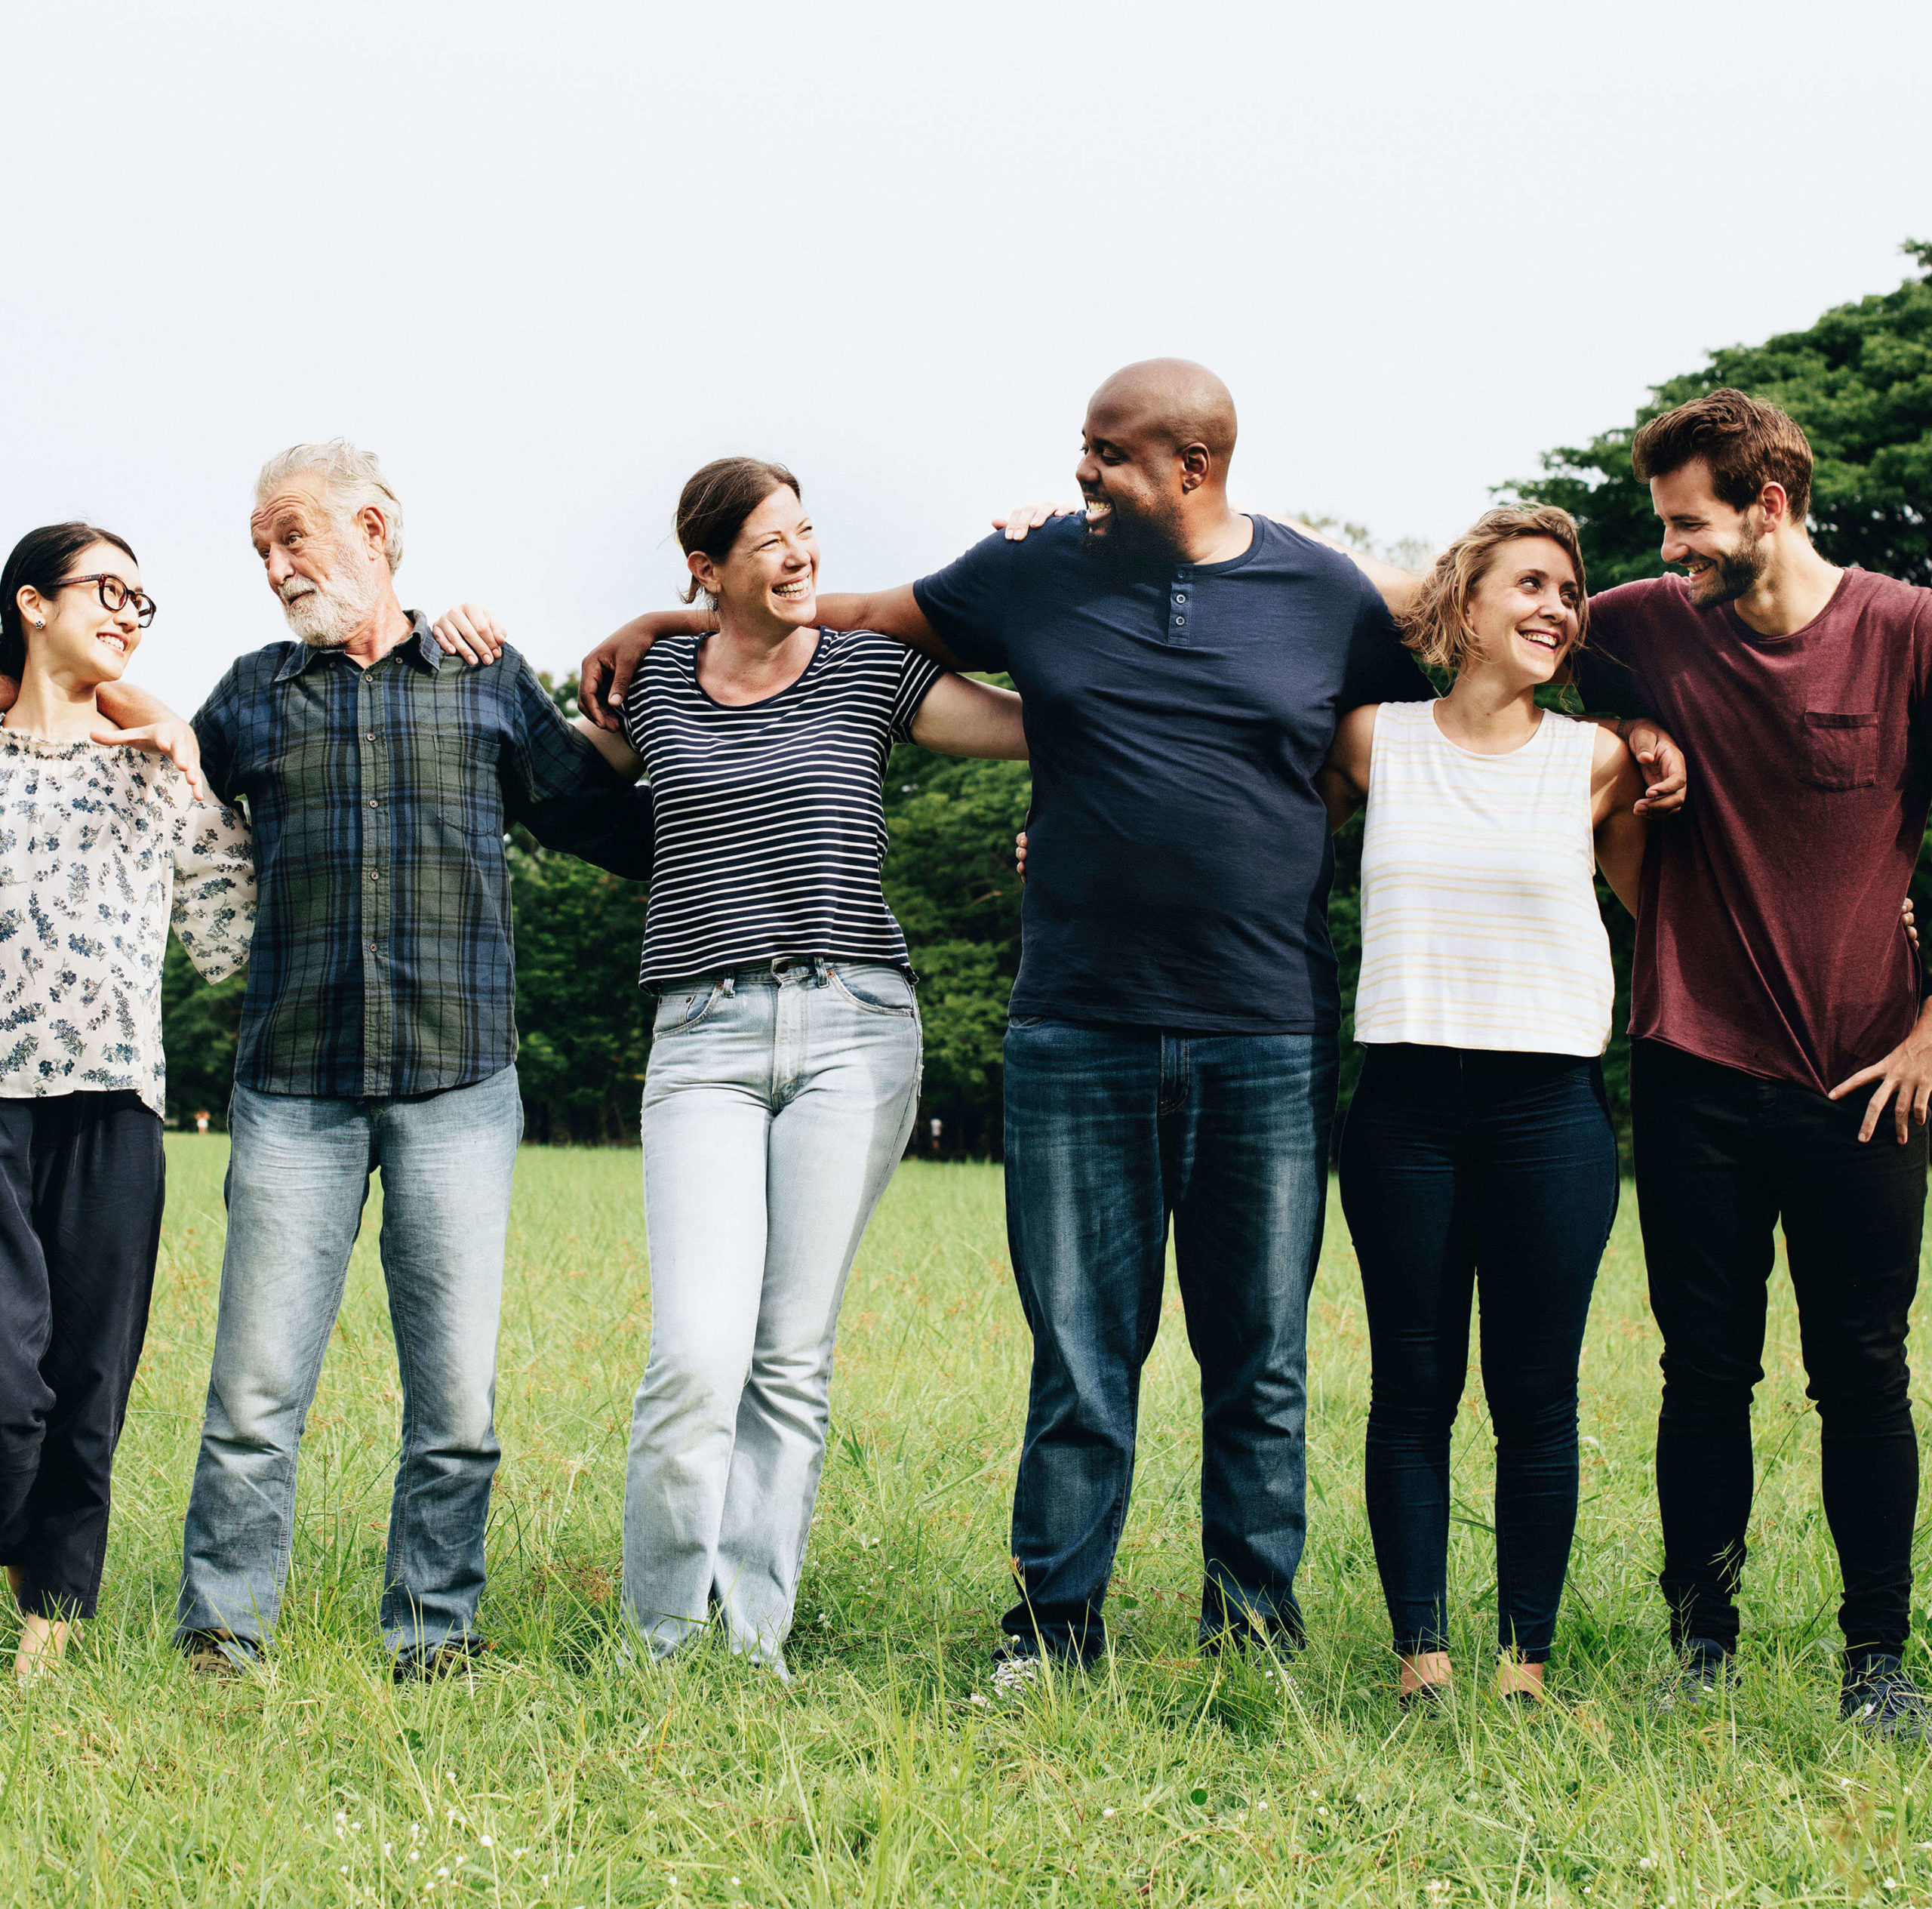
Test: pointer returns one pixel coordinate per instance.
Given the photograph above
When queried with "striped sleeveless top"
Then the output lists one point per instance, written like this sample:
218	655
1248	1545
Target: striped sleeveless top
1480	927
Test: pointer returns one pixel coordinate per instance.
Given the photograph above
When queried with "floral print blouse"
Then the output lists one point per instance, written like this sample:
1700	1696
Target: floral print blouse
101	849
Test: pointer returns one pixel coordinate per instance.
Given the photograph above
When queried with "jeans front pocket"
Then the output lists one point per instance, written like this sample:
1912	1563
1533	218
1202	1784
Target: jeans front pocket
877	988
680	1009
1840	750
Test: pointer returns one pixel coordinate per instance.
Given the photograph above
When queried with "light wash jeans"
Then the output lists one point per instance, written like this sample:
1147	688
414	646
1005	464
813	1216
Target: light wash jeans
298	1175
776	1104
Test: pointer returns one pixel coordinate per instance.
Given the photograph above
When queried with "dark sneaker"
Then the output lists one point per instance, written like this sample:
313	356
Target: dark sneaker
427	1663
1881	1699
218	1654
1703	1676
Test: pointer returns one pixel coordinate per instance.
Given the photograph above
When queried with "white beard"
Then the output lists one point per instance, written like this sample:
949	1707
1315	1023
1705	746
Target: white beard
326	617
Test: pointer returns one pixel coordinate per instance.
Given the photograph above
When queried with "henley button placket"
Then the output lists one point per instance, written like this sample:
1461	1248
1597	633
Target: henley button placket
1178	617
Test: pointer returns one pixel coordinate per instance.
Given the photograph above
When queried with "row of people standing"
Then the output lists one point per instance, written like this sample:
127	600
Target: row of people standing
1171	1056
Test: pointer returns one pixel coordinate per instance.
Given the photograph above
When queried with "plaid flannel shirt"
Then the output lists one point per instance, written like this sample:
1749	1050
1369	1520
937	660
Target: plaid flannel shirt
383	963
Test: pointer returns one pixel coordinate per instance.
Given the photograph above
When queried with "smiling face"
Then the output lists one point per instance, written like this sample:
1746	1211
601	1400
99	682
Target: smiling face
1131	476
85	643
328	575
770	575
1525	610
1723	551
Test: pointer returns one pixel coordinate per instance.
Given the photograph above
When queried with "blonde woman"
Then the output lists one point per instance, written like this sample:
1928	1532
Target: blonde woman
1478	1154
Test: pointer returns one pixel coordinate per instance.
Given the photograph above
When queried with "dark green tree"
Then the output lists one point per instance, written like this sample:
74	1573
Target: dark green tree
1859	381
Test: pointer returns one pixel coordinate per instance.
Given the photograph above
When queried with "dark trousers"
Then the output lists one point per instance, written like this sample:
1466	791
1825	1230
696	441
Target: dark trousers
82	1180
1466	1171
1110	1132
1722	1157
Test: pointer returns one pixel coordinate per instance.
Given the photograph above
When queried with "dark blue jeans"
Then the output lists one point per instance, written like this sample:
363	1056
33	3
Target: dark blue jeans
1109	1132
1465	1170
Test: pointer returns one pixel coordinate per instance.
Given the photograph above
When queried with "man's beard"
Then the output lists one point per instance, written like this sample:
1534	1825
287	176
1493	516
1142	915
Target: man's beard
328	616
1138	538
1732	573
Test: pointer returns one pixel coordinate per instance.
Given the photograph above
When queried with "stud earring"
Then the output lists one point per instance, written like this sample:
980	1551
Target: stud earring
39	623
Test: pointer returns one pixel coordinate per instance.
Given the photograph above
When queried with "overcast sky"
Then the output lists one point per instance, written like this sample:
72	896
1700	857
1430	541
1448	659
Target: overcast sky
547	260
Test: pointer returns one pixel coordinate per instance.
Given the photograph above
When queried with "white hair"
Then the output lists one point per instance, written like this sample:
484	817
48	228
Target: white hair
355	479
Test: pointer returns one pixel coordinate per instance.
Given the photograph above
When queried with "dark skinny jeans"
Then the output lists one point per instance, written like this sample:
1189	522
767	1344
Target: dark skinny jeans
1722	1159
1465	1170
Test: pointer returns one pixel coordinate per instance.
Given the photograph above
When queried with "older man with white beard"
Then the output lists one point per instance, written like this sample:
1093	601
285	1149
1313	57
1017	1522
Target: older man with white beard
378	1031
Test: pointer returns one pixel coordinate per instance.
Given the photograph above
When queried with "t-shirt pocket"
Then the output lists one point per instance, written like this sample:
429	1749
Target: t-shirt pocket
1840	750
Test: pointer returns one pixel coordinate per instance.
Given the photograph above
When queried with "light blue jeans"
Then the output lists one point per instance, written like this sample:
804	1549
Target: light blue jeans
776	1104
298	1175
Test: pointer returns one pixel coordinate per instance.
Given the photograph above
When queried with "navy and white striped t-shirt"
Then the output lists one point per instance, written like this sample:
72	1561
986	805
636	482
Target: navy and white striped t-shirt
769	820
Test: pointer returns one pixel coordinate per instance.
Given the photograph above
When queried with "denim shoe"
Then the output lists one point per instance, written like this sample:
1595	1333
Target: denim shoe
1881	1699
1700	1677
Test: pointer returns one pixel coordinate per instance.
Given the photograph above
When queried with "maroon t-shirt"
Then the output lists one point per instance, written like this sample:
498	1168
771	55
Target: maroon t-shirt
1767	930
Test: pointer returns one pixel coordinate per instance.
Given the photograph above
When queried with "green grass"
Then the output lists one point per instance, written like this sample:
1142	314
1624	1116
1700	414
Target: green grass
566	1775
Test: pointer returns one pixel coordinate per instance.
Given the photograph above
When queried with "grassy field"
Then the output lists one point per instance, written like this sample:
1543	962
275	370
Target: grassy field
885	1773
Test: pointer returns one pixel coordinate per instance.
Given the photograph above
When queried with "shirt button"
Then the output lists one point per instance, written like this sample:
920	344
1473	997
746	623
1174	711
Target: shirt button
1180	623
370	736
372	801
1178	598
372	947
373	876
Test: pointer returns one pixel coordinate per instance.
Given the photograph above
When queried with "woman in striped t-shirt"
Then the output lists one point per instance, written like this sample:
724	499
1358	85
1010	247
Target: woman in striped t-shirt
1478	1151
784	1070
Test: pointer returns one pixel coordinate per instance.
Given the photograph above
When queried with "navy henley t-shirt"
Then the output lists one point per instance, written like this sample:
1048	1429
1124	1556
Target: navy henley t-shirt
1177	856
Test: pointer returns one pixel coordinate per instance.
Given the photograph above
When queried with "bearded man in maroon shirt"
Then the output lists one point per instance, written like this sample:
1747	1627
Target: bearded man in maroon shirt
1781	1055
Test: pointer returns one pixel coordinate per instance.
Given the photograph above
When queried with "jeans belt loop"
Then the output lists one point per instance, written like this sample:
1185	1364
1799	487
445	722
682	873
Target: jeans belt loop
730	985
823	969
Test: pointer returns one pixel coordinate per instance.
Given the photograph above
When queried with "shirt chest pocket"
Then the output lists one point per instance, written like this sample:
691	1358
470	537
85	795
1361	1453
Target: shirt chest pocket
1839	751
467	795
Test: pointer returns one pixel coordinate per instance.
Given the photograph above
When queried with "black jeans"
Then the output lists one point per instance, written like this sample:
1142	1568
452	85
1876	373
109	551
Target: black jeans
1722	1157
1467	1170
82	1180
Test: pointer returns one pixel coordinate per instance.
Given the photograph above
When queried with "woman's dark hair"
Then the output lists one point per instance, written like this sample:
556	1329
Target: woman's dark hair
40	560
715	502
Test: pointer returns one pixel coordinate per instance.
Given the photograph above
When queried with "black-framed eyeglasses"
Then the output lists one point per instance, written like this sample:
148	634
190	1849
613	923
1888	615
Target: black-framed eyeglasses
115	596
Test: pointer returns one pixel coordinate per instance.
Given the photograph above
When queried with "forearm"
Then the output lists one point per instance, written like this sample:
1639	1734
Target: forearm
613	830
960	717
894	613
1620	843
129	706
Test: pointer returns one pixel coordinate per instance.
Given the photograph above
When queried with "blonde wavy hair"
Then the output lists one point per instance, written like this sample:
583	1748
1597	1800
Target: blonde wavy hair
1436	626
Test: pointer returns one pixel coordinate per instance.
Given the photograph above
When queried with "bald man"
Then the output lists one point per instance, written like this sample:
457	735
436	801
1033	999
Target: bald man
1170	1053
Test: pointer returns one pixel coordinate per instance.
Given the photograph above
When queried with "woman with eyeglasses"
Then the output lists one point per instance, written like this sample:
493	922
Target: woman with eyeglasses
102	847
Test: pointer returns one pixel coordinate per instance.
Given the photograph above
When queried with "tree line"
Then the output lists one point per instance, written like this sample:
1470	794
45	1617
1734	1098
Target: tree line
1858	380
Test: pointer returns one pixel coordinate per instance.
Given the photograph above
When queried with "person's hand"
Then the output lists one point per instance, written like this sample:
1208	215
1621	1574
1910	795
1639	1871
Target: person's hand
1906	916
1662	762
171	737
1024	517
470	632
1904	1078
1020	855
